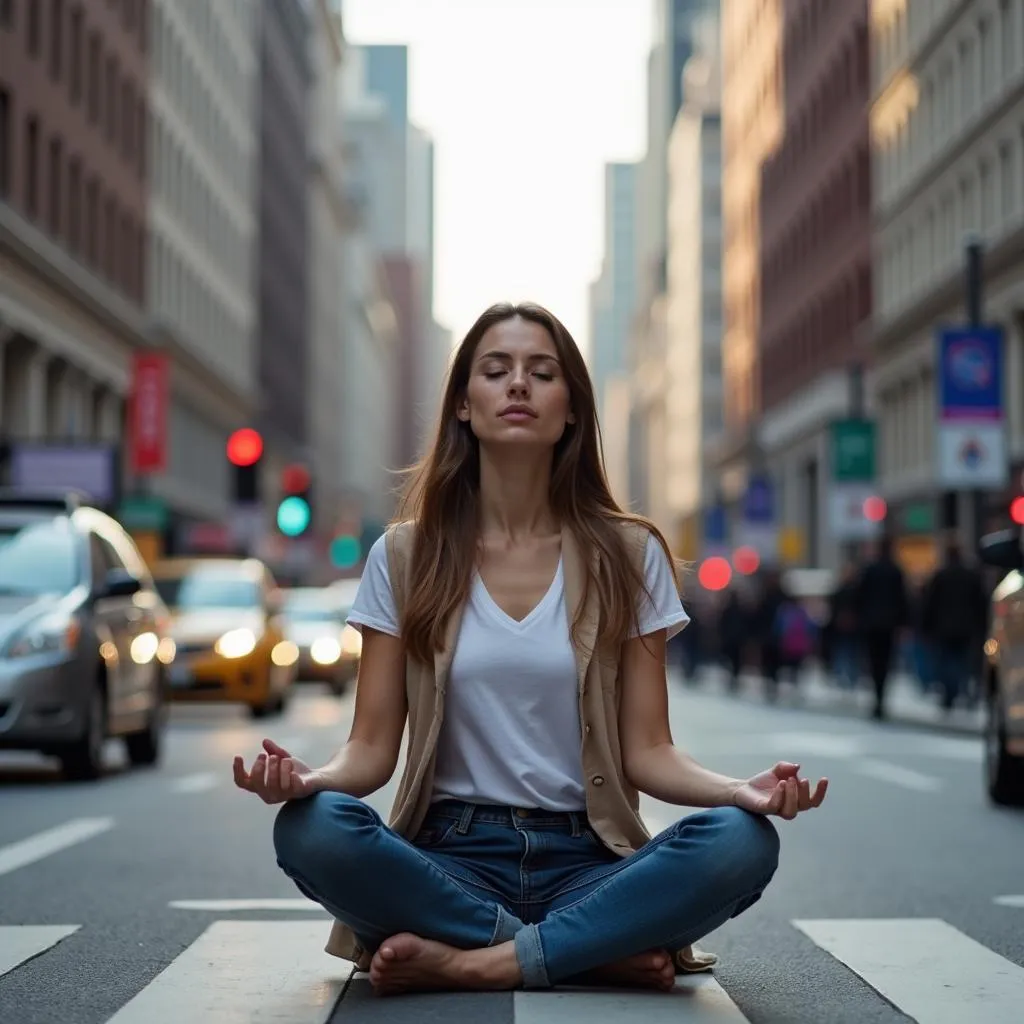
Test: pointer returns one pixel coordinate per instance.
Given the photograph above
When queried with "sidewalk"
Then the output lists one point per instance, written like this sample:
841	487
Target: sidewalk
905	703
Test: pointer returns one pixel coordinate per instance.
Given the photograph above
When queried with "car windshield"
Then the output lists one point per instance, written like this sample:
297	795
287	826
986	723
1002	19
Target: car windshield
39	558
310	607
209	590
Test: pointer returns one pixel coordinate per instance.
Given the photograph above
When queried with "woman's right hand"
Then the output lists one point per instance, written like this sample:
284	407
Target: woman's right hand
276	776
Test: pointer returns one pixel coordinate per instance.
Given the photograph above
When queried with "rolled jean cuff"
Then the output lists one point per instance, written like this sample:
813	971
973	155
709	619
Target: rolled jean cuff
530	955
506	927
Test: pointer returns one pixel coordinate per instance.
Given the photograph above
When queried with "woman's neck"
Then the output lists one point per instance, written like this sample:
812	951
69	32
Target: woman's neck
515	494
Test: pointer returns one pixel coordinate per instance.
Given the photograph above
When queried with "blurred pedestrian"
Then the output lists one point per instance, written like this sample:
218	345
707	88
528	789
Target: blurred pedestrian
733	627
882	612
954	618
843	630
521	618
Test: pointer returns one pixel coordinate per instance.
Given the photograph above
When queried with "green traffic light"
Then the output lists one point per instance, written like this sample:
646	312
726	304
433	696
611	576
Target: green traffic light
293	516
345	552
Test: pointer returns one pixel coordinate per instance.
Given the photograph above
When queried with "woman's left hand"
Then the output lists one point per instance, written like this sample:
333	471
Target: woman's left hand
779	791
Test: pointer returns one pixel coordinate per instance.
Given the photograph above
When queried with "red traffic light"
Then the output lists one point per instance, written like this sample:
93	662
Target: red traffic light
714	573
875	509
1017	510
295	479
746	560
245	447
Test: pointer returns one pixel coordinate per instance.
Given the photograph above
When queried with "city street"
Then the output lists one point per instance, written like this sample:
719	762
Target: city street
153	897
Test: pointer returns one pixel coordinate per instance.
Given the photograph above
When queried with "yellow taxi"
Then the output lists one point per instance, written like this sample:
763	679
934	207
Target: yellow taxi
228	632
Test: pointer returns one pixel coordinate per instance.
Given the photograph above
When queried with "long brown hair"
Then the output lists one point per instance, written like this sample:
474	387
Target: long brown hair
443	500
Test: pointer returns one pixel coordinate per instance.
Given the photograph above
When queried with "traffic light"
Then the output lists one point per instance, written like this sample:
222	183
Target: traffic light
875	509
295	510
245	452
1017	510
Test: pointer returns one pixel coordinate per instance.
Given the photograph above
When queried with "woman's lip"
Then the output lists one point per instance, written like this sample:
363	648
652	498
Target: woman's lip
517	414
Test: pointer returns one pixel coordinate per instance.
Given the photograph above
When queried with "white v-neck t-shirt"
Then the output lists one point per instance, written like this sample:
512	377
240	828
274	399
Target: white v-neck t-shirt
511	731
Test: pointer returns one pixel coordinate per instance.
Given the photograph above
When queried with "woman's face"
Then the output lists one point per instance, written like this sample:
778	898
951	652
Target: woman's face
517	391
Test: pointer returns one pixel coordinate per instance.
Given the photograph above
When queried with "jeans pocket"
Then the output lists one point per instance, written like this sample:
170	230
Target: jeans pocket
433	834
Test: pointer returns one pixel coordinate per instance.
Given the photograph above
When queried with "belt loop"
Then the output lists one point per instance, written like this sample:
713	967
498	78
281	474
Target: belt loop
575	819
466	819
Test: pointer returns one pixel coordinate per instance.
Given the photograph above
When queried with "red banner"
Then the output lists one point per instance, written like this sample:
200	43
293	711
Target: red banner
149	400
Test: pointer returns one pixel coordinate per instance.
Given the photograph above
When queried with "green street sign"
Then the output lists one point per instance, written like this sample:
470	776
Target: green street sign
919	518
142	513
853	451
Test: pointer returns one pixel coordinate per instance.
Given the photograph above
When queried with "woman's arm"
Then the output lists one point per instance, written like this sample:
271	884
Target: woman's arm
651	761
367	760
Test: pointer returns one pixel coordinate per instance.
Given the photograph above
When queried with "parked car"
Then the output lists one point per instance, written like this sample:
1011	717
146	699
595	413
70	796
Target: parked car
228	632
329	650
84	635
1004	673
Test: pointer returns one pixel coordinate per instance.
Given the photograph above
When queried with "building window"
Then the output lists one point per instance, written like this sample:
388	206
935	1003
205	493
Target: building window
32	167
127	119
75	78
127	268
56	157
1006	201
56	38
6	13
74	204
92	222
110	239
140	136
6	143
93	101
35	27
111	98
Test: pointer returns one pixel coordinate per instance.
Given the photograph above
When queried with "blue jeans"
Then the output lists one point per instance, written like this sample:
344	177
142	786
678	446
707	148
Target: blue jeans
479	875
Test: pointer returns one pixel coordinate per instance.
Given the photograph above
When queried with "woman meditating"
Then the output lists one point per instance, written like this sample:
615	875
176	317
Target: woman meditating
516	620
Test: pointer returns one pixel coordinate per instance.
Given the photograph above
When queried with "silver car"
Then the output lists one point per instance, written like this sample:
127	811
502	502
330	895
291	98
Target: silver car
83	636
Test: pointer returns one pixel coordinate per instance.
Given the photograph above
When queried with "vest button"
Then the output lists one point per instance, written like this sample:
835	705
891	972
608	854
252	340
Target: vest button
523	812
598	780
587	728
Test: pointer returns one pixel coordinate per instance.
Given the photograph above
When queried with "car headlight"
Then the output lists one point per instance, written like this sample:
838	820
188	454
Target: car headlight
51	634
236	643
325	650
351	641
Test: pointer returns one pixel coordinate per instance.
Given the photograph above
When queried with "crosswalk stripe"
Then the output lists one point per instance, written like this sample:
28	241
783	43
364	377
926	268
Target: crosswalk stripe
53	840
244	971
22	942
197	783
926	968
696	999
227	906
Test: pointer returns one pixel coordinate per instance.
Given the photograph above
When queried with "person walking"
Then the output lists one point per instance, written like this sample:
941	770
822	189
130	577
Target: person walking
516	619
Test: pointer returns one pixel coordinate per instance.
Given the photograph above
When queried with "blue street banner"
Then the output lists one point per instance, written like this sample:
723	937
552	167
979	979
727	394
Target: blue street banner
971	448
970	373
716	525
759	501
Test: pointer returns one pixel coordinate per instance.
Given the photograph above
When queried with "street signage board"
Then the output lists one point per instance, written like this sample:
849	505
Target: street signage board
853	450
716	525
971	445
759	501
847	519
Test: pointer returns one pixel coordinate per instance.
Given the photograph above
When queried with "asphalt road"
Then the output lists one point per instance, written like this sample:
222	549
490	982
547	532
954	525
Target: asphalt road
153	896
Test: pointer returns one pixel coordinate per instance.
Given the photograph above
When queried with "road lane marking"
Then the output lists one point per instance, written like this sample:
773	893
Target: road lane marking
1016	902
886	771
696	999
197	783
19	943
43	844
226	906
254	971
926	968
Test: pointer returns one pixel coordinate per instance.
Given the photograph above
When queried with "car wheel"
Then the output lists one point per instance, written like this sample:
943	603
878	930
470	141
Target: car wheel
83	759
1004	773
144	747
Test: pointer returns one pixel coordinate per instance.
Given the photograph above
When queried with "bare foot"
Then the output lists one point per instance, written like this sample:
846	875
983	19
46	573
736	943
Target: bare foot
407	963
644	970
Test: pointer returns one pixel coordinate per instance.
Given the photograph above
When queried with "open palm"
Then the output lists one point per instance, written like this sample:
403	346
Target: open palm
780	791
276	776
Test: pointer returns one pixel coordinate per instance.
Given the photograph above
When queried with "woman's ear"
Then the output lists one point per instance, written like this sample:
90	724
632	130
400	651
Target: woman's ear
570	417
463	410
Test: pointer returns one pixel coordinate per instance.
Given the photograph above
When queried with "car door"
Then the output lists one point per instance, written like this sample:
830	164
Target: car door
1013	660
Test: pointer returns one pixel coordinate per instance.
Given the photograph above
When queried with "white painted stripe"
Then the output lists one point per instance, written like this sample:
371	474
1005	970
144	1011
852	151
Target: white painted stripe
696	999
1010	901
53	840
886	771
258	972
926	968
197	783
226	906
21	942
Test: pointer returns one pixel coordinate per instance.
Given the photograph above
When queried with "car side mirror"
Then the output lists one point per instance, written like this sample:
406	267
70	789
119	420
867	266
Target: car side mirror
119	583
1002	550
